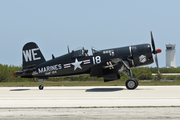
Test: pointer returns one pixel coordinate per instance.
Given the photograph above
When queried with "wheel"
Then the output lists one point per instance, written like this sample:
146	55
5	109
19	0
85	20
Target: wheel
131	84
41	87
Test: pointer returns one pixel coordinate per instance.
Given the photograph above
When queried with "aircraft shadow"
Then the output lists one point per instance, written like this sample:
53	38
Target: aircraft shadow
19	89
104	89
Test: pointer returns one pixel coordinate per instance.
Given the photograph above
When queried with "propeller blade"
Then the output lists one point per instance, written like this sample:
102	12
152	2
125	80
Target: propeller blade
155	51
153	44
156	59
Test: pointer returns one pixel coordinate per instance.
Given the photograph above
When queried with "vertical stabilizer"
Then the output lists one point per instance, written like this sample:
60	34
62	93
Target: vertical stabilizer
31	55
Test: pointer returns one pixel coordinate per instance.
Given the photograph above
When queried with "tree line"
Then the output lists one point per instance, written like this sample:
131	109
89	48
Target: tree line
141	73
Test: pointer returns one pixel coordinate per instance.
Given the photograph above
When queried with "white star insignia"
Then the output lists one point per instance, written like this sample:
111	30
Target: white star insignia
77	64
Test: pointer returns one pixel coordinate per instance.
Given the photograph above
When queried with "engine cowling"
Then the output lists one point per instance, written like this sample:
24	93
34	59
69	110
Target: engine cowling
142	54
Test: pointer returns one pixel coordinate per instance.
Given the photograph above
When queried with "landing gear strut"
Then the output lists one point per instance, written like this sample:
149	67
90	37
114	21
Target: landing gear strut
132	83
41	86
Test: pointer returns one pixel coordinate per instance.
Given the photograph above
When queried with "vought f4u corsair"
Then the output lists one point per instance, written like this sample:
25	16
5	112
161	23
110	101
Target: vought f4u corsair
107	63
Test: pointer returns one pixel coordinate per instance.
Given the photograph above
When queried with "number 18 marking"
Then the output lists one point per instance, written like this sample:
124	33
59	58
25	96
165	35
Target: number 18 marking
96	59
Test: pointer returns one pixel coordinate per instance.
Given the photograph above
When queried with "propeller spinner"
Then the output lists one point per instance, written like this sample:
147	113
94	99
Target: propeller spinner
155	51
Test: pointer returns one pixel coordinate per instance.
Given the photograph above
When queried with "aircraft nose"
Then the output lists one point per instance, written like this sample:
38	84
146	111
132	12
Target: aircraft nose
158	50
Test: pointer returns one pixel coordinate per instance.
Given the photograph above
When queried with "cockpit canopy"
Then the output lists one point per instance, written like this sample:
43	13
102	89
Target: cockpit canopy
78	52
81	52
94	50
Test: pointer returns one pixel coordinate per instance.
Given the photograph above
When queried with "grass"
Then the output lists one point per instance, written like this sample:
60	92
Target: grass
87	83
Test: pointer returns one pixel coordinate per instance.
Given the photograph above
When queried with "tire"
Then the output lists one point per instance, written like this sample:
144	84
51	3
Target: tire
131	84
136	82
41	87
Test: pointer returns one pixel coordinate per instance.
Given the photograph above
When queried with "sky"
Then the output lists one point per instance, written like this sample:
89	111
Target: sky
103	24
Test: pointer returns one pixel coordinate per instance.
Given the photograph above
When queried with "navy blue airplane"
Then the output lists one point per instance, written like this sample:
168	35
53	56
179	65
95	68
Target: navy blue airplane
107	63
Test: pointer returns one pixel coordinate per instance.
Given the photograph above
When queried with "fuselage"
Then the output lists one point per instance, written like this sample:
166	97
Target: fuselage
76	62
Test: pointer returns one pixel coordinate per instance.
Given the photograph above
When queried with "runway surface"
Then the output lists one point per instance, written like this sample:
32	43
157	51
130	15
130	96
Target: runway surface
94	96
79	103
162	113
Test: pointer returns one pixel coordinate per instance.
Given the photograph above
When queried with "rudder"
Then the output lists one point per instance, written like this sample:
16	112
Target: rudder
31	55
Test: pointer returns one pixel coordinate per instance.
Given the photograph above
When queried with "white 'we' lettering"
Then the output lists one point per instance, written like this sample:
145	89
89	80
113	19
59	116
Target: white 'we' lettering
30	54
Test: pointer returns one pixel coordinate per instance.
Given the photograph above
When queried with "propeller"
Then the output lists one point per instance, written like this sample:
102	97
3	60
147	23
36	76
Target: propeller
155	51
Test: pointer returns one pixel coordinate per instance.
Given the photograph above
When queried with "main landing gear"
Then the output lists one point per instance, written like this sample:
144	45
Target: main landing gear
131	83
41	86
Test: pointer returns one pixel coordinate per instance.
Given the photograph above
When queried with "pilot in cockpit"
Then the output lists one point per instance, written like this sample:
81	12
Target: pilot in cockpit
86	52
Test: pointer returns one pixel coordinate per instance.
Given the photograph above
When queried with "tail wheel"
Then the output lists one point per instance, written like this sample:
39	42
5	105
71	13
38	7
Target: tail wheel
41	87
131	84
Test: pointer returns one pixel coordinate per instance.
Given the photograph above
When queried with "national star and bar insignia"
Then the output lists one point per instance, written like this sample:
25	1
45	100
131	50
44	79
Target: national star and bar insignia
77	64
